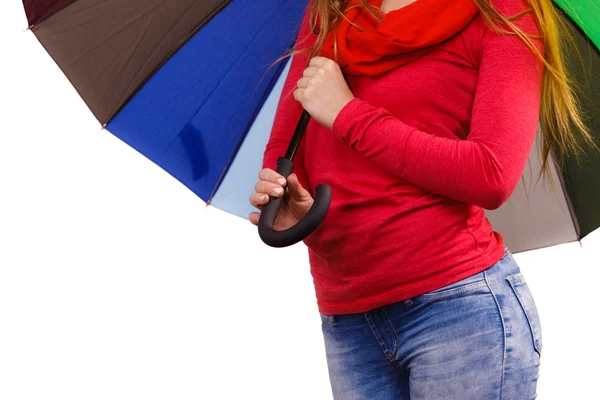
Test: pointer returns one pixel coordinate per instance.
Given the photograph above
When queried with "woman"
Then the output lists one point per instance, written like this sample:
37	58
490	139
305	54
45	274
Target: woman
423	113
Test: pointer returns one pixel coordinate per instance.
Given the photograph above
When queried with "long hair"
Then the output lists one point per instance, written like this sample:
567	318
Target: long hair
561	122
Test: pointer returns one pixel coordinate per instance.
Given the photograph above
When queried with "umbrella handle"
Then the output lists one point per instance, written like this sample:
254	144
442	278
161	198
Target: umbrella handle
305	226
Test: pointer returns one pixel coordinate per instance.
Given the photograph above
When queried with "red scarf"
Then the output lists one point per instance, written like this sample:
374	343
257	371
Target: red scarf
404	35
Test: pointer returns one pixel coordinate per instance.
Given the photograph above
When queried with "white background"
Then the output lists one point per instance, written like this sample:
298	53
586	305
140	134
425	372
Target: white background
116	282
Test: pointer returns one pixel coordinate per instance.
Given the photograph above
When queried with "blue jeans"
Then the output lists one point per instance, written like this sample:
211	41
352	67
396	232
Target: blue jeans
476	339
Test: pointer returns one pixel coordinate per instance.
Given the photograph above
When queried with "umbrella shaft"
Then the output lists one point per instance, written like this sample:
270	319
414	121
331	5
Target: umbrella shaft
298	133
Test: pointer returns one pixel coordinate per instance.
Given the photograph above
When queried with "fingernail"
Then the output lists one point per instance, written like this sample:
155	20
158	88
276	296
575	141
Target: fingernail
263	197
278	190
281	181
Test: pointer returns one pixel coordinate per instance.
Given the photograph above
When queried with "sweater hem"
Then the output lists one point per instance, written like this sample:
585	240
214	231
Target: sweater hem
401	293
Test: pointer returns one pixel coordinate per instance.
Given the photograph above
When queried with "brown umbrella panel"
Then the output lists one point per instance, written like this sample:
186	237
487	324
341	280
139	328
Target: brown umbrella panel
109	49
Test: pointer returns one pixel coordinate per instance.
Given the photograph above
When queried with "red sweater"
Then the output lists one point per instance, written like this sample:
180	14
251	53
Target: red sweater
412	162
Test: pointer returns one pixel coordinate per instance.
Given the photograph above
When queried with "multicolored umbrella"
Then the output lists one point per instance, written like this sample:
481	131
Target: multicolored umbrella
187	84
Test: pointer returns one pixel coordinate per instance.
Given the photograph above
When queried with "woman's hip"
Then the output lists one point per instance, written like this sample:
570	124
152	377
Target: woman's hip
477	338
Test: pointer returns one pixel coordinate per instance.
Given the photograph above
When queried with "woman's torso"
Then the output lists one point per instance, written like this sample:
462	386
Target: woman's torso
384	238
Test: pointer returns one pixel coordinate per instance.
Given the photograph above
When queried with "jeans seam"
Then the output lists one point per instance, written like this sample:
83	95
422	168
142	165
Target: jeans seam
396	356
389	321
503	332
526	311
379	338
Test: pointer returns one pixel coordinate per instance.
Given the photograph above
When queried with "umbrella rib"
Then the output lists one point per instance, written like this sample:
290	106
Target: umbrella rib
130	57
125	25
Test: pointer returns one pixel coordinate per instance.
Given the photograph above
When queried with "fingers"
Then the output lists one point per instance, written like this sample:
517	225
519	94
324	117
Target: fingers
259	199
298	95
303	82
297	192
309	72
265	187
253	217
270	184
267	174
319	61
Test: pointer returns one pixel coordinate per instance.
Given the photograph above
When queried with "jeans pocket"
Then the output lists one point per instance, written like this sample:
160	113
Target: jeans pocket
519	286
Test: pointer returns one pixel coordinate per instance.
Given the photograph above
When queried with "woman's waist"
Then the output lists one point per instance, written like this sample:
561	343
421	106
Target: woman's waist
380	227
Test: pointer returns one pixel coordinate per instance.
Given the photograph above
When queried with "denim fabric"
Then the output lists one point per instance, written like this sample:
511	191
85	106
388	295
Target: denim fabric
479	338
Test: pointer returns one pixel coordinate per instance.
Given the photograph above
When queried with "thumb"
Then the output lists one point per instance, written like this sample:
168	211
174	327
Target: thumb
297	192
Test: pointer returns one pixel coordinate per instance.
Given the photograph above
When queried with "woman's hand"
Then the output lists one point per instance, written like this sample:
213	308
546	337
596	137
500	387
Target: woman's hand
296	203
323	91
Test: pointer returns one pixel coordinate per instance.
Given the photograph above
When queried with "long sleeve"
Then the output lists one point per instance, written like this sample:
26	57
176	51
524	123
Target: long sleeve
289	110
483	169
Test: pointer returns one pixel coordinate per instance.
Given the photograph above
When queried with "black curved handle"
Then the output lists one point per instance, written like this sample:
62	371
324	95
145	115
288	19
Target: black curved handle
305	226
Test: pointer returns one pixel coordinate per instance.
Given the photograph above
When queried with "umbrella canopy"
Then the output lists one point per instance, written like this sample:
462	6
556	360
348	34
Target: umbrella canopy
186	83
